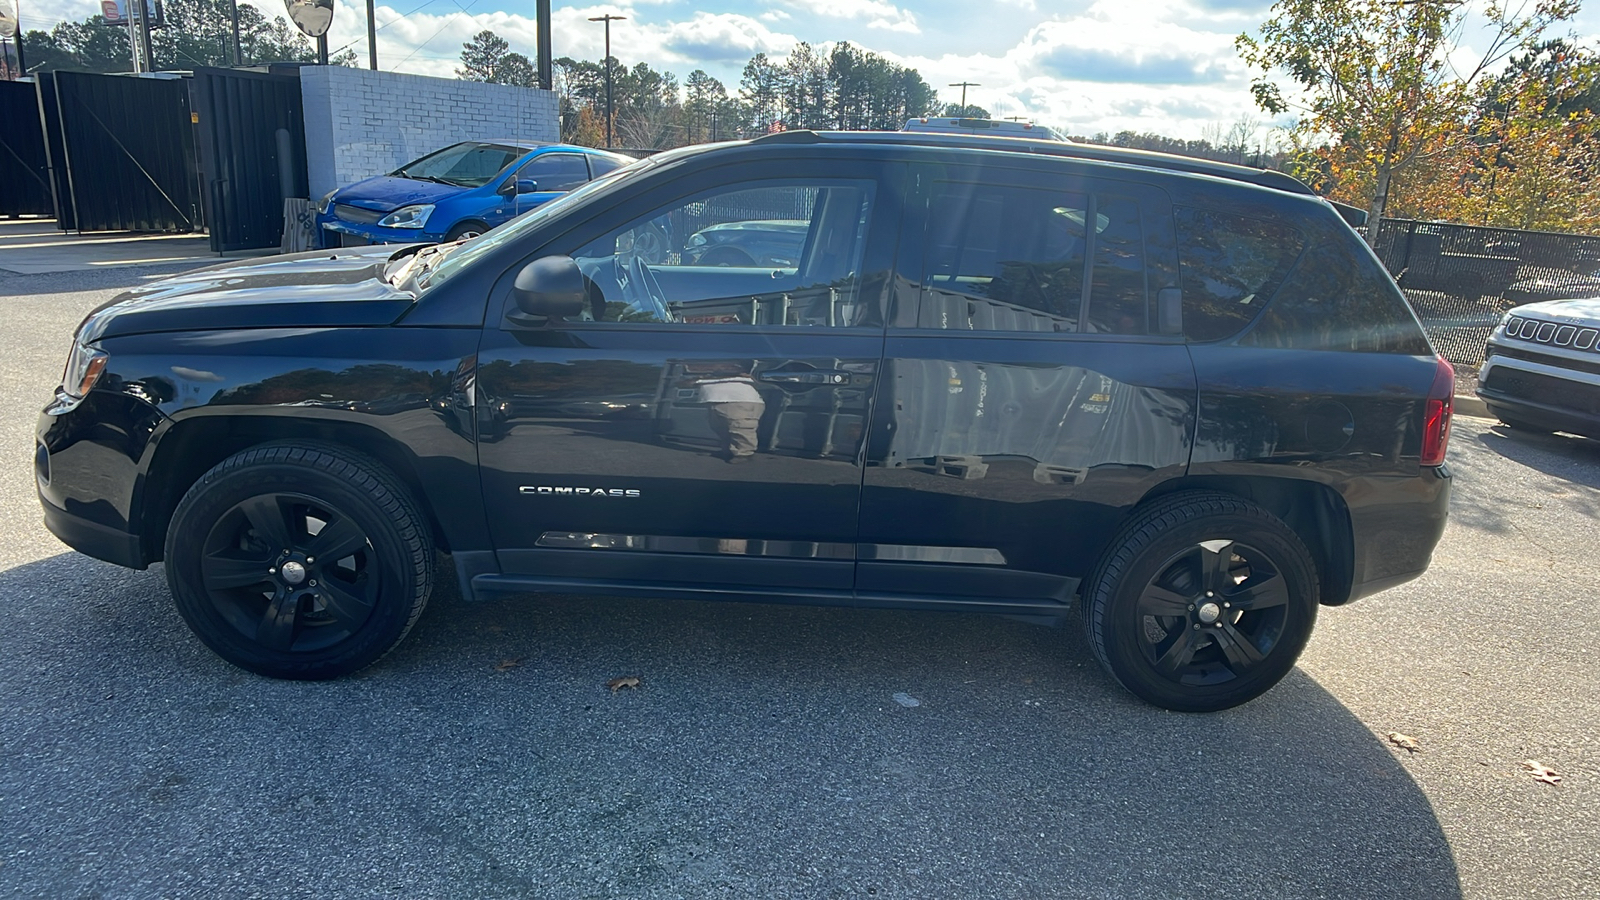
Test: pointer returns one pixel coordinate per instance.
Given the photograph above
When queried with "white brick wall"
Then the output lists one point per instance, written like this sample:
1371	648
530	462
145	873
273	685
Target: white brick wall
361	123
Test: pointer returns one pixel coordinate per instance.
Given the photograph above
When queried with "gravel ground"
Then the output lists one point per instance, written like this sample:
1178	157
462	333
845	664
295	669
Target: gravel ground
790	752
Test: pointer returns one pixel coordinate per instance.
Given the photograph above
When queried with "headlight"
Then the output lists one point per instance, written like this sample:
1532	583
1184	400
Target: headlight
85	365
326	201
408	217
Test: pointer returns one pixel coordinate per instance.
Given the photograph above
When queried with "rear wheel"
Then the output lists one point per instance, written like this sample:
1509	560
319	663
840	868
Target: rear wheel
301	561
1202	603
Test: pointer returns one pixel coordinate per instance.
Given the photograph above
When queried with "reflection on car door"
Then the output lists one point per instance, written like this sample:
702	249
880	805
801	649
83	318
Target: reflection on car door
700	424
1028	396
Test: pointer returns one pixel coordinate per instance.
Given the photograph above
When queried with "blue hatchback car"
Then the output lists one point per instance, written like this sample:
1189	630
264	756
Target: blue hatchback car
460	191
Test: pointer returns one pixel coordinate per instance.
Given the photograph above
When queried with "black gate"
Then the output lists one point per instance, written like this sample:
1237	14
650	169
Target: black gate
25	188
252	141
128	151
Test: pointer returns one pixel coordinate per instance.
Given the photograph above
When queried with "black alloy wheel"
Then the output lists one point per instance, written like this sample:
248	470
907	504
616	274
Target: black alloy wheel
299	561
1203	603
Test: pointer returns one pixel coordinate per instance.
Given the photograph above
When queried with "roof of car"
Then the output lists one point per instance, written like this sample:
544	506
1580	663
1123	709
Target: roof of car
1268	178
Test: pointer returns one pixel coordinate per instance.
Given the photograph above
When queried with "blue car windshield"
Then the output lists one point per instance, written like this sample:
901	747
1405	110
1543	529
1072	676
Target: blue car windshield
469	164
459	256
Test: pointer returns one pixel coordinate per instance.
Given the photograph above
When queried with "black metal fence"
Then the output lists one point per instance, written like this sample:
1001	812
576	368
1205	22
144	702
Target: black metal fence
127	147
252	141
1462	278
25	184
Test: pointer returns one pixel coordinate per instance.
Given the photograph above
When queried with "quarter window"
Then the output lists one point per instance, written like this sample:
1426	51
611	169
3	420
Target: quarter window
1010	258
1231	266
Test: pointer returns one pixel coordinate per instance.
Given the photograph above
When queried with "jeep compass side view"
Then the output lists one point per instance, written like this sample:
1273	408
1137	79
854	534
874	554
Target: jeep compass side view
983	375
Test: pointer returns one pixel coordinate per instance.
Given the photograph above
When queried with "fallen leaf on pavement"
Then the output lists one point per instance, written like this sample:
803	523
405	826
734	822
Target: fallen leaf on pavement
1404	742
506	665
1541	772
626	681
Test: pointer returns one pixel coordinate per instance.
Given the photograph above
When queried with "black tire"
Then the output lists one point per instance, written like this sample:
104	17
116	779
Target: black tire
1522	425
316	618
464	229
1157	631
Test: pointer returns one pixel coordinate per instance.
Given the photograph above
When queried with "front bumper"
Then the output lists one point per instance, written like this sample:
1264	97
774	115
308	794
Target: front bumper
1544	389
335	232
92	538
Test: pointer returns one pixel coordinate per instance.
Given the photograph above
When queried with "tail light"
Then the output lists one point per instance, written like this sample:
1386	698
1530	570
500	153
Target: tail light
1436	414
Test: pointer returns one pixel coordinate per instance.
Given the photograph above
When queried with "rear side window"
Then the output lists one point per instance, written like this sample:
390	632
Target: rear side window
1231	266
1339	299
1009	258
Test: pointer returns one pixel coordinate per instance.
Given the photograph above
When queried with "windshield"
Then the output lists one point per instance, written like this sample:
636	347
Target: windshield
469	164
442	267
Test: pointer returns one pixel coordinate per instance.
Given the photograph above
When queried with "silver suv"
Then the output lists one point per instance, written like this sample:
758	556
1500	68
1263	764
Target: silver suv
1541	370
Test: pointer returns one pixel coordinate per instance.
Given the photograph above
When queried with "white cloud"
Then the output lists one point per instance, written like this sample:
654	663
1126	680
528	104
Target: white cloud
880	14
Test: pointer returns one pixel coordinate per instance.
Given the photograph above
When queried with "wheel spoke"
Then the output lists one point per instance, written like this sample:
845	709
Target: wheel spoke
1179	653
1216	557
1159	601
1269	591
275	631
269	520
347	603
337	540
221	573
1240	651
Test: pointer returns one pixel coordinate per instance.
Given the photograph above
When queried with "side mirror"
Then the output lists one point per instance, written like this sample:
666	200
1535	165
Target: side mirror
550	287
527	186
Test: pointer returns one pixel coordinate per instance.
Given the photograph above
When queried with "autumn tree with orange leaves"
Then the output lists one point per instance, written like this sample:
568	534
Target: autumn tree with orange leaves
1379	98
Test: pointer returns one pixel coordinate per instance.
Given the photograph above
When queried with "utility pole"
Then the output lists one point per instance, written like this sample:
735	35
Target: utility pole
238	51
608	19
964	85
144	34
372	37
541	8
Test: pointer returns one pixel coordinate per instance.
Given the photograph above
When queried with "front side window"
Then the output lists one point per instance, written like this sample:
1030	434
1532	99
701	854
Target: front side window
773	253
464	165
555	171
1012	258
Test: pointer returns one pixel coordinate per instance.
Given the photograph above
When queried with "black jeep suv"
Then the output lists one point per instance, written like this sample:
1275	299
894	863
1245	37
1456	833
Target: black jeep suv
998	375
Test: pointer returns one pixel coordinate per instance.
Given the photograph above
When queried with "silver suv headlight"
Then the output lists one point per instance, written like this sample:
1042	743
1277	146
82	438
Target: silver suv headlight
408	217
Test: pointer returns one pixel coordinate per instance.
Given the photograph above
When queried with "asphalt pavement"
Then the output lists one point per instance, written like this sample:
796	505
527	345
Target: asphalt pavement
778	751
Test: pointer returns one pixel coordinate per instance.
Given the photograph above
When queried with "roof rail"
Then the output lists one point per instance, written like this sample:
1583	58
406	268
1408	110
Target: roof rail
1268	178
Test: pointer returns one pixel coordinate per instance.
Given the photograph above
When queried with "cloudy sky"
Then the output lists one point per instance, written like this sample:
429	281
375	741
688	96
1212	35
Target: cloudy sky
1165	66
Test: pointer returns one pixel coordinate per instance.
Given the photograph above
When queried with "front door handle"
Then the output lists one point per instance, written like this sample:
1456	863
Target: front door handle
808	378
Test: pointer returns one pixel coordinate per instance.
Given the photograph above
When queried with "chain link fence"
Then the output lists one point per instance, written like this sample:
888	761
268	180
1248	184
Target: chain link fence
1462	278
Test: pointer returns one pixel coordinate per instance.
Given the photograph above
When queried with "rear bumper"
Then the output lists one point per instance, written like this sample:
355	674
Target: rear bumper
1396	527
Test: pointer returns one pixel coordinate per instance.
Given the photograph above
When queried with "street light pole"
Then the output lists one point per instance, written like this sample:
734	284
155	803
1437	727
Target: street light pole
372	37
608	19
964	85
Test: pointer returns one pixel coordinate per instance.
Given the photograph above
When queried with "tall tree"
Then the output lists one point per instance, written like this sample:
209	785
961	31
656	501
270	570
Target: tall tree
1382	90
482	56
762	89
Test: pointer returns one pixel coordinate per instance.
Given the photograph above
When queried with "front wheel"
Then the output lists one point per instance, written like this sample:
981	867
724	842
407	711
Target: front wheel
1203	602
301	561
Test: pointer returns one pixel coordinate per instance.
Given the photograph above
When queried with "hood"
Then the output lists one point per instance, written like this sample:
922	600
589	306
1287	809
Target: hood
1572	312
323	288
387	193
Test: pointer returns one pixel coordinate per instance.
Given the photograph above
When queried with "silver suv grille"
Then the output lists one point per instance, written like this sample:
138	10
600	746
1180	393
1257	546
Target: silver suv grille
1552	334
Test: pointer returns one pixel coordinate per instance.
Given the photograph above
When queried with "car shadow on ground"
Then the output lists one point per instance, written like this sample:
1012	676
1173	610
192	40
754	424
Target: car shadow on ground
1567	456
769	751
